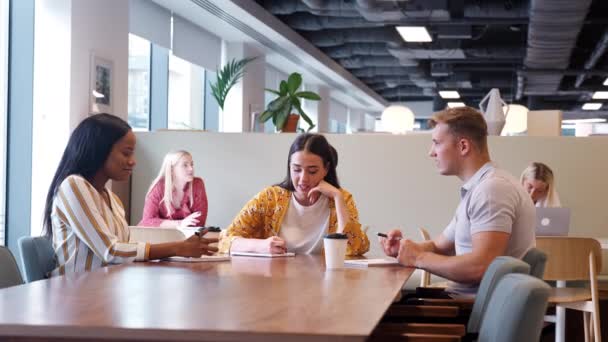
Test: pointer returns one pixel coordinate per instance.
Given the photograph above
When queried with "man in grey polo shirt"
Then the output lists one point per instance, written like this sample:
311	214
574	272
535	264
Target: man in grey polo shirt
495	215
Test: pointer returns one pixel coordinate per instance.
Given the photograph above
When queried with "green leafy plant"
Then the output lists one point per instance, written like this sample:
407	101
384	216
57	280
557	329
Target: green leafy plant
288	99
227	77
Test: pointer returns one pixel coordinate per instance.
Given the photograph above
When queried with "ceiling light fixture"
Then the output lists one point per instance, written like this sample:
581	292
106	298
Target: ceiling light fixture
449	94
592	106
456	104
414	34
516	121
397	119
600	95
606	81
98	95
575	121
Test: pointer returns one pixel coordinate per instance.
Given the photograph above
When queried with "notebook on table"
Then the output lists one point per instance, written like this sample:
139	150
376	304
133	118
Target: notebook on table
204	258
263	255
552	221
370	262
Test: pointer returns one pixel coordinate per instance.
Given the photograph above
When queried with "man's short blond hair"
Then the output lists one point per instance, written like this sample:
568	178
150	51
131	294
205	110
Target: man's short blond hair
464	122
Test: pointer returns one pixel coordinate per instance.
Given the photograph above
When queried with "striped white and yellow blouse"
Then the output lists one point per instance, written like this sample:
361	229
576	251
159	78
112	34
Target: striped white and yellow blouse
87	233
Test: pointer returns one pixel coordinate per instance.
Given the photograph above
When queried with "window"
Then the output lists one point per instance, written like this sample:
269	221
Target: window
3	96
186	94
212	109
139	83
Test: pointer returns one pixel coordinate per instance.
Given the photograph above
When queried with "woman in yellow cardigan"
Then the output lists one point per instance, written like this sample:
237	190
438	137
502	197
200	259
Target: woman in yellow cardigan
295	214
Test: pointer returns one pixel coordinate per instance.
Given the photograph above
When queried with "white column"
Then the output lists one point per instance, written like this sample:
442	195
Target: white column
100	27
356	120
247	96
93	33
51	107
323	108
370	122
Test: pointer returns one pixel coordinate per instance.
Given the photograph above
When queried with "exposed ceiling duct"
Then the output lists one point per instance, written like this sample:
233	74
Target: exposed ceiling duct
526	48
357	49
404	91
422	52
385	71
333	8
355	35
597	53
425	53
375	61
551	40
394	11
309	22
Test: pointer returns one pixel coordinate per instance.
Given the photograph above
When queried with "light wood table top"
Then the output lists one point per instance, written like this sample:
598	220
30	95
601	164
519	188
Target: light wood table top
255	299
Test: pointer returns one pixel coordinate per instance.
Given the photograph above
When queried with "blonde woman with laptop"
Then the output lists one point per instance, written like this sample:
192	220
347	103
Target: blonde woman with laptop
539	182
176	197
295	214
84	219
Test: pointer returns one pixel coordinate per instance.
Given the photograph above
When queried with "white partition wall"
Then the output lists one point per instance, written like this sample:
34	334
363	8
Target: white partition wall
393	180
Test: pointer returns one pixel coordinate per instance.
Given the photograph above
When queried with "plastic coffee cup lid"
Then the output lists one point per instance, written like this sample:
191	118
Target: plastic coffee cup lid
336	236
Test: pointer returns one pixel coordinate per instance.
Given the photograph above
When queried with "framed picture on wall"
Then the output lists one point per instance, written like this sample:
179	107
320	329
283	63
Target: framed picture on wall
101	85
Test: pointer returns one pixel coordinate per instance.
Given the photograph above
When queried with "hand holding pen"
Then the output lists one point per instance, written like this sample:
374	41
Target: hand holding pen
274	245
390	242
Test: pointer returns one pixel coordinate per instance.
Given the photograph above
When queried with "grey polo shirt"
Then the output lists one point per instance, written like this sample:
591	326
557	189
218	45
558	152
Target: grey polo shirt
492	201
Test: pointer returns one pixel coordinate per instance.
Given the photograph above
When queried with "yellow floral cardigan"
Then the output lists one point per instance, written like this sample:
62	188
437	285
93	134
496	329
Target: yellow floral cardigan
262	217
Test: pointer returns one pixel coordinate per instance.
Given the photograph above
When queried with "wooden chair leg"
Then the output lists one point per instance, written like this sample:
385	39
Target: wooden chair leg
596	333
586	317
591	325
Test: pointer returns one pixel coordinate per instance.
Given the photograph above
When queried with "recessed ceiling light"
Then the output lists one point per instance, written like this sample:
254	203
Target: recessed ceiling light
592	106
414	34
606	81
449	94
456	104
600	95
574	121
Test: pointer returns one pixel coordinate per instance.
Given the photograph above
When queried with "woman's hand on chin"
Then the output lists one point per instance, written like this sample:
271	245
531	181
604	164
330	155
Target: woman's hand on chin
323	188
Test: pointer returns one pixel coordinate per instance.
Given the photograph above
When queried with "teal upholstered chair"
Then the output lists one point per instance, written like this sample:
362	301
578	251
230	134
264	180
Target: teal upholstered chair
516	310
537	260
9	271
37	257
500	267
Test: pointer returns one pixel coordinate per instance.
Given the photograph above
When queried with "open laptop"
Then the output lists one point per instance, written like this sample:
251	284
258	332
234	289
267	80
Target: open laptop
155	235
552	221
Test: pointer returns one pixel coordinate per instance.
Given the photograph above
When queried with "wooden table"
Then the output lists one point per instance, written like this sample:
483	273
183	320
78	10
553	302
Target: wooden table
254	299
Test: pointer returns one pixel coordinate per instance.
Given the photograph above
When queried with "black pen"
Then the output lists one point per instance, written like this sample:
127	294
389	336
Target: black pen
386	236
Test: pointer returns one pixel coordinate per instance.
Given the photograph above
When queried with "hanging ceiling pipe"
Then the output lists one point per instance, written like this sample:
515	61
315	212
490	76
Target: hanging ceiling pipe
597	53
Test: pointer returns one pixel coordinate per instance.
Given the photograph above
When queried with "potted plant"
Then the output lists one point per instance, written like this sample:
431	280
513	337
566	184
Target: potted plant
281	108
227	77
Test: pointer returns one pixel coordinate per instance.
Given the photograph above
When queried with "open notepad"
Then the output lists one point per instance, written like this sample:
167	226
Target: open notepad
205	258
263	255
370	262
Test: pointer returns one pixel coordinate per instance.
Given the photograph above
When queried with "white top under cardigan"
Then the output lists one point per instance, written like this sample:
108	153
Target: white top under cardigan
303	227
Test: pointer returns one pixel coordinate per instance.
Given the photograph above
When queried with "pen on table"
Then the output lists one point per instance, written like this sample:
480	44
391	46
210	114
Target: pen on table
386	236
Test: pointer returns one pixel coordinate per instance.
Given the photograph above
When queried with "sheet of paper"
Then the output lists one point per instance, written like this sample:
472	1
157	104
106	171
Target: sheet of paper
206	258
370	262
263	255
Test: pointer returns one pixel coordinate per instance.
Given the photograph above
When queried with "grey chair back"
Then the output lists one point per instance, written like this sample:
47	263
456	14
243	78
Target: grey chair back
37	257
501	266
537	260
516	310
9	271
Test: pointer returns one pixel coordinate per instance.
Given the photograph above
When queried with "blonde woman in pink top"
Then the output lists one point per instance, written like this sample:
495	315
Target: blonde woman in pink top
176	198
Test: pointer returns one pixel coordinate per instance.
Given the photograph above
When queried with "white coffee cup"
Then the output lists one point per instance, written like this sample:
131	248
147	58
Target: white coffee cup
335	250
213	234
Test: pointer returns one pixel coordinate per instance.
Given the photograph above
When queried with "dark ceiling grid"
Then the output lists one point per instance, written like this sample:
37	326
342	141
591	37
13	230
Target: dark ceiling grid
541	53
